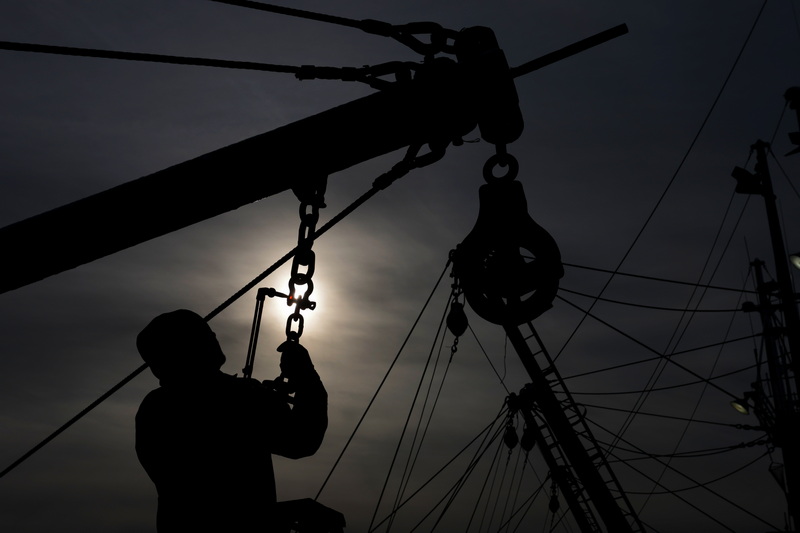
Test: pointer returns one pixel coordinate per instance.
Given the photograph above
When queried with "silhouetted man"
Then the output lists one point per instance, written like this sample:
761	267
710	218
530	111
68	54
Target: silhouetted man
205	438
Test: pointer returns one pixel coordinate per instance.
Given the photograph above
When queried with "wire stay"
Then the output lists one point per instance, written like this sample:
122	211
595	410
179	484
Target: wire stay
569	50
151	58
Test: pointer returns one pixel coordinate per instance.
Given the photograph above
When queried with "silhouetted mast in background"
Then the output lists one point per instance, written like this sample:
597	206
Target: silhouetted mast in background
778	412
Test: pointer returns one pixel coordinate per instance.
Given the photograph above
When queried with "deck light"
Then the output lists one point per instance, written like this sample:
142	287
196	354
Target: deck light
795	260
743	404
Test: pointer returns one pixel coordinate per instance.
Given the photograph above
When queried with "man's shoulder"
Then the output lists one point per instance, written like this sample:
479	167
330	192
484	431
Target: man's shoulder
153	398
222	388
154	395
239	383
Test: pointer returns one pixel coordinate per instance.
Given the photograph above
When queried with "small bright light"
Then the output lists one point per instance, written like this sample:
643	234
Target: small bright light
277	310
741	406
795	260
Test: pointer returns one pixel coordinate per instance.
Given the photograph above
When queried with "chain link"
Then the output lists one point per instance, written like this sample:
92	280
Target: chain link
456	319
304	261
501	159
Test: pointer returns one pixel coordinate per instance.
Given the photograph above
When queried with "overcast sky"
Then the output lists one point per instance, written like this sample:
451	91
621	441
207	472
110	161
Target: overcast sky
605	134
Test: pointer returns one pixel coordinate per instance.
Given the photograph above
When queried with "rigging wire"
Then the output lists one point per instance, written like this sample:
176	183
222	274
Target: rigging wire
499	486
644	306
511	487
74	419
710	482
650	359
411	460
714	271
616	435
783	172
301	13
685	476
427	425
369	75
486	355
695	454
672	417
672	179
703	390
486	430
145	57
456	488
653	278
491	474
678	496
430	415
666	387
530	501
488	439
640	343
662	365
408	419
480	494
404	33
517	492
483	489
383	382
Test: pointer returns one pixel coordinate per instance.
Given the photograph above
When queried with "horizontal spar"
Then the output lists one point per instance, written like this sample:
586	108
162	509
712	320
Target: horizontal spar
231	177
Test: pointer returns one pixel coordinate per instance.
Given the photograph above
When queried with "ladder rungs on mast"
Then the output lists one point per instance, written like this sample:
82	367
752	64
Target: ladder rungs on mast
569	448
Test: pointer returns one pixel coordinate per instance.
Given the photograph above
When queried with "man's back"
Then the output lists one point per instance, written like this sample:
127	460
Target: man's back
206	438
207	446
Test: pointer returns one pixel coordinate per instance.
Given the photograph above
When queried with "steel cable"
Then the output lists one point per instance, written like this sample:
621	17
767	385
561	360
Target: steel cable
673	177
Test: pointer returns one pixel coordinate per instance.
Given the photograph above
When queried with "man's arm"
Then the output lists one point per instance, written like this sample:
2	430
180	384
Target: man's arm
304	427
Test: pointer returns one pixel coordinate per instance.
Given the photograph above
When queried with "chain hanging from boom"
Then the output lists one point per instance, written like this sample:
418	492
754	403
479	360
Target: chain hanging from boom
303	265
312	198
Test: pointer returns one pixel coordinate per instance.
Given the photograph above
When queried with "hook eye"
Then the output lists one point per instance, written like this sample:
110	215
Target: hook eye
502	161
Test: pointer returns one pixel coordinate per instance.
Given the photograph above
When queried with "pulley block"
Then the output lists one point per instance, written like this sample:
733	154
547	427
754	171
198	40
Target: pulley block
457	321
508	265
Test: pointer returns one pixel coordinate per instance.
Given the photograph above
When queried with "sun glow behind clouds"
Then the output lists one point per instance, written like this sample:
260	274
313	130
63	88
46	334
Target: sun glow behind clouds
277	311
281	307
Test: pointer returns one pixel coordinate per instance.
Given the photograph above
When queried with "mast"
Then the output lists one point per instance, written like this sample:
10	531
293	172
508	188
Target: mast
576	461
783	367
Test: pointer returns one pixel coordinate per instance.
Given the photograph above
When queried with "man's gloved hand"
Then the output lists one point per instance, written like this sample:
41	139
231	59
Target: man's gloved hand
296	365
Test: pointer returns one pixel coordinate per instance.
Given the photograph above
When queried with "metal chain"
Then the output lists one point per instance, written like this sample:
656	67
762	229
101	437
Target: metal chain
303	263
